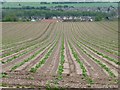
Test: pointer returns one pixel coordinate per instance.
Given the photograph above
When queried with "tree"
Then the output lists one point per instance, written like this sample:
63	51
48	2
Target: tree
11	18
98	18
19	4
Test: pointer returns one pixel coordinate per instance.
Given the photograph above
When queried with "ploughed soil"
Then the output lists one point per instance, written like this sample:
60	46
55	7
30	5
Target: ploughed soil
23	79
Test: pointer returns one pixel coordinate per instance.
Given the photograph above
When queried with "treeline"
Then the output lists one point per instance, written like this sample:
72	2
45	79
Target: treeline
71	2
13	15
40	8
27	7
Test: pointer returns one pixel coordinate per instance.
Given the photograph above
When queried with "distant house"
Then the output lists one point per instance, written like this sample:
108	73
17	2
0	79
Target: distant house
75	17
87	18
91	20
33	20
54	17
65	18
58	17
51	20
70	17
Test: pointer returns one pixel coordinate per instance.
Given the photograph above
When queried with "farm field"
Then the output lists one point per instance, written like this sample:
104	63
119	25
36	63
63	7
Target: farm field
60	55
37	4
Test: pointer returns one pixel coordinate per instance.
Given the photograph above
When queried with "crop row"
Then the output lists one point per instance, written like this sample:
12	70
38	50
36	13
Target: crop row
27	51
99	53
84	71
60	69
98	62
81	40
101	41
23	53
41	62
26	45
24	30
28	59
96	45
62	60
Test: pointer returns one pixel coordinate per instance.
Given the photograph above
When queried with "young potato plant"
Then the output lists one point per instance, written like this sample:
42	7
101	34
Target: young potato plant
43	60
2	75
101	54
14	57
99	63
28	59
60	68
84	71
19	49
19	55
62	60
103	48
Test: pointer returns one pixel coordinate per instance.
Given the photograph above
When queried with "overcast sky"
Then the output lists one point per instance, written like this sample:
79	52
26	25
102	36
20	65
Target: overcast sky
53	0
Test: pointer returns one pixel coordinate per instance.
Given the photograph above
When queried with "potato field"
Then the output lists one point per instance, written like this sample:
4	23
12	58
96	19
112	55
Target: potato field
60	55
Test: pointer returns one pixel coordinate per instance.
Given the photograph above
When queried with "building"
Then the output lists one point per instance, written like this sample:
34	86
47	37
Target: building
33	20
